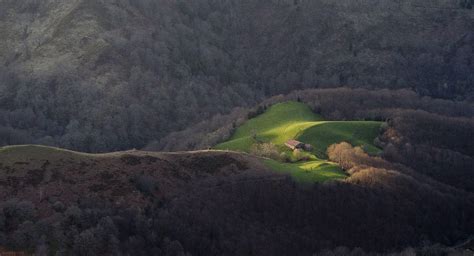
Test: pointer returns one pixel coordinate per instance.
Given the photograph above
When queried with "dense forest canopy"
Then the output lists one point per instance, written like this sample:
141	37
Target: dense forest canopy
97	75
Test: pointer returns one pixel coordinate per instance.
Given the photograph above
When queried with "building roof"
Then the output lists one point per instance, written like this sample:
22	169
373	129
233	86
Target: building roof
293	143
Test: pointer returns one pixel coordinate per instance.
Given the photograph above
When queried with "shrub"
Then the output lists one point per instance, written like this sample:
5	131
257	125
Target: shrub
268	150
260	110
145	184
299	155
59	206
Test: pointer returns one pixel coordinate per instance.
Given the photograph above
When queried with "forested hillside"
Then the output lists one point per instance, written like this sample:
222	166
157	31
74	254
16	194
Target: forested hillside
98	75
59	202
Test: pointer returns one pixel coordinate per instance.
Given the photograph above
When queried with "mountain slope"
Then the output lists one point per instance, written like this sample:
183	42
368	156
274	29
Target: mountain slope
214	203
139	70
43	174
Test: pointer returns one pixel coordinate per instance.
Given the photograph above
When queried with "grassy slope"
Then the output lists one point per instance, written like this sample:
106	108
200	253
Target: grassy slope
311	171
358	133
278	124
293	120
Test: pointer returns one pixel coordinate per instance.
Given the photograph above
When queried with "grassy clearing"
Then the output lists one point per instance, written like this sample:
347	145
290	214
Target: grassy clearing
278	124
294	120
358	133
309	172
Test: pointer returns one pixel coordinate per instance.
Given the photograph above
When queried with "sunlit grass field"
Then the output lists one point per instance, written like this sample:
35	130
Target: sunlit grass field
310	171
295	120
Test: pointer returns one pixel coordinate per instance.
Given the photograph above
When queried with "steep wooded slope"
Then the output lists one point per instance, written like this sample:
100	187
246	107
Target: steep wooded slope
109	75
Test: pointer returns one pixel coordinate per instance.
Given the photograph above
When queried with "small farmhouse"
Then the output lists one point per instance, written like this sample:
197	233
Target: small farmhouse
294	144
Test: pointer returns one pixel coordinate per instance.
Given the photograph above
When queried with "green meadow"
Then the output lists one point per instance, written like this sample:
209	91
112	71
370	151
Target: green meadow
295	120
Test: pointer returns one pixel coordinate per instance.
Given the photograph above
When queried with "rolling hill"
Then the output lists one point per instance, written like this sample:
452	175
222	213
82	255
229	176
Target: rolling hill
41	174
294	120
213	203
